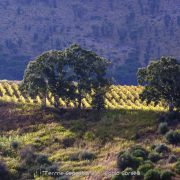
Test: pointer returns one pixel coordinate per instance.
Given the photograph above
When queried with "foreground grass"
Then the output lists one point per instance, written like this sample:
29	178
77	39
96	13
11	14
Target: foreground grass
63	135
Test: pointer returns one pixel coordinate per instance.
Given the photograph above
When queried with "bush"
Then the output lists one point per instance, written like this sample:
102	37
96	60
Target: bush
125	160
139	151
86	155
14	144
127	174
68	142
118	177
42	159
172	118
177	167
154	157
162	148
173	137
4	174
144	168
163	128
152	174
172	159
167	175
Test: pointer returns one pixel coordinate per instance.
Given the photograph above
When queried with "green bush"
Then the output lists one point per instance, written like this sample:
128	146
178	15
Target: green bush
31	162
177	167
163	128
154	157
85	155
152	174
127	174
118	177
140	153
68	142
42	159
172	158
14	144
167	175
144	168
126	160
162	148
173	137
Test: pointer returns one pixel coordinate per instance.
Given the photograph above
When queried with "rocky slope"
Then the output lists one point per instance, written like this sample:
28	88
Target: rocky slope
129	33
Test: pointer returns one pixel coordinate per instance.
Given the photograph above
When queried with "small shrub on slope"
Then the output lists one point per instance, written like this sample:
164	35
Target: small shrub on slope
126	160
162	148
173	137
163	128
152	174
154	157
177	167
144	168
167	175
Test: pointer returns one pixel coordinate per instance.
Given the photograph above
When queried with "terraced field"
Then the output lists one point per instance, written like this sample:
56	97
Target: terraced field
118	97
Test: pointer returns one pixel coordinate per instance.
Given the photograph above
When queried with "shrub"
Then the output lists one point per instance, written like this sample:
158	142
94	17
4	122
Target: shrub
172	117
68	142
162	148
177	167
86	155
4	174
173	137
126	160
144	168
118	177
127	174
154	157
152	174
167	175
140	153
172	159
163	128
42	159
14	144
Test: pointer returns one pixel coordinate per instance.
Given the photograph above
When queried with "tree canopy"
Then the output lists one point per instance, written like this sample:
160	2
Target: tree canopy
162	82
69	74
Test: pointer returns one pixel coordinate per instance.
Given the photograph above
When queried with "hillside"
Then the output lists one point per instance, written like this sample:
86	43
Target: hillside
127	136
79	144
129	33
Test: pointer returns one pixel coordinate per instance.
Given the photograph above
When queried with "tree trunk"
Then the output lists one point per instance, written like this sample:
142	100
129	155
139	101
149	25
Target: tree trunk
56	101
171	107
44	101
79	102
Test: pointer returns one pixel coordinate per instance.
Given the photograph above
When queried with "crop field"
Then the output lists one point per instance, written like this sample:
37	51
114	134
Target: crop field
118	97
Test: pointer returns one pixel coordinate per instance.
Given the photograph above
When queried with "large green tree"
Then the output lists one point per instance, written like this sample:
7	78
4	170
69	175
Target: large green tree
88	71
70	74
49	72
37	76
161	79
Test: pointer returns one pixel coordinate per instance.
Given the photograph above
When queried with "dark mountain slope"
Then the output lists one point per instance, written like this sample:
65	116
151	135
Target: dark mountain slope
129	33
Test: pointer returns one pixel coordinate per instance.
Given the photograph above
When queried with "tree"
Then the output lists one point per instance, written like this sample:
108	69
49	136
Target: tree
88	71
38	75
162	82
